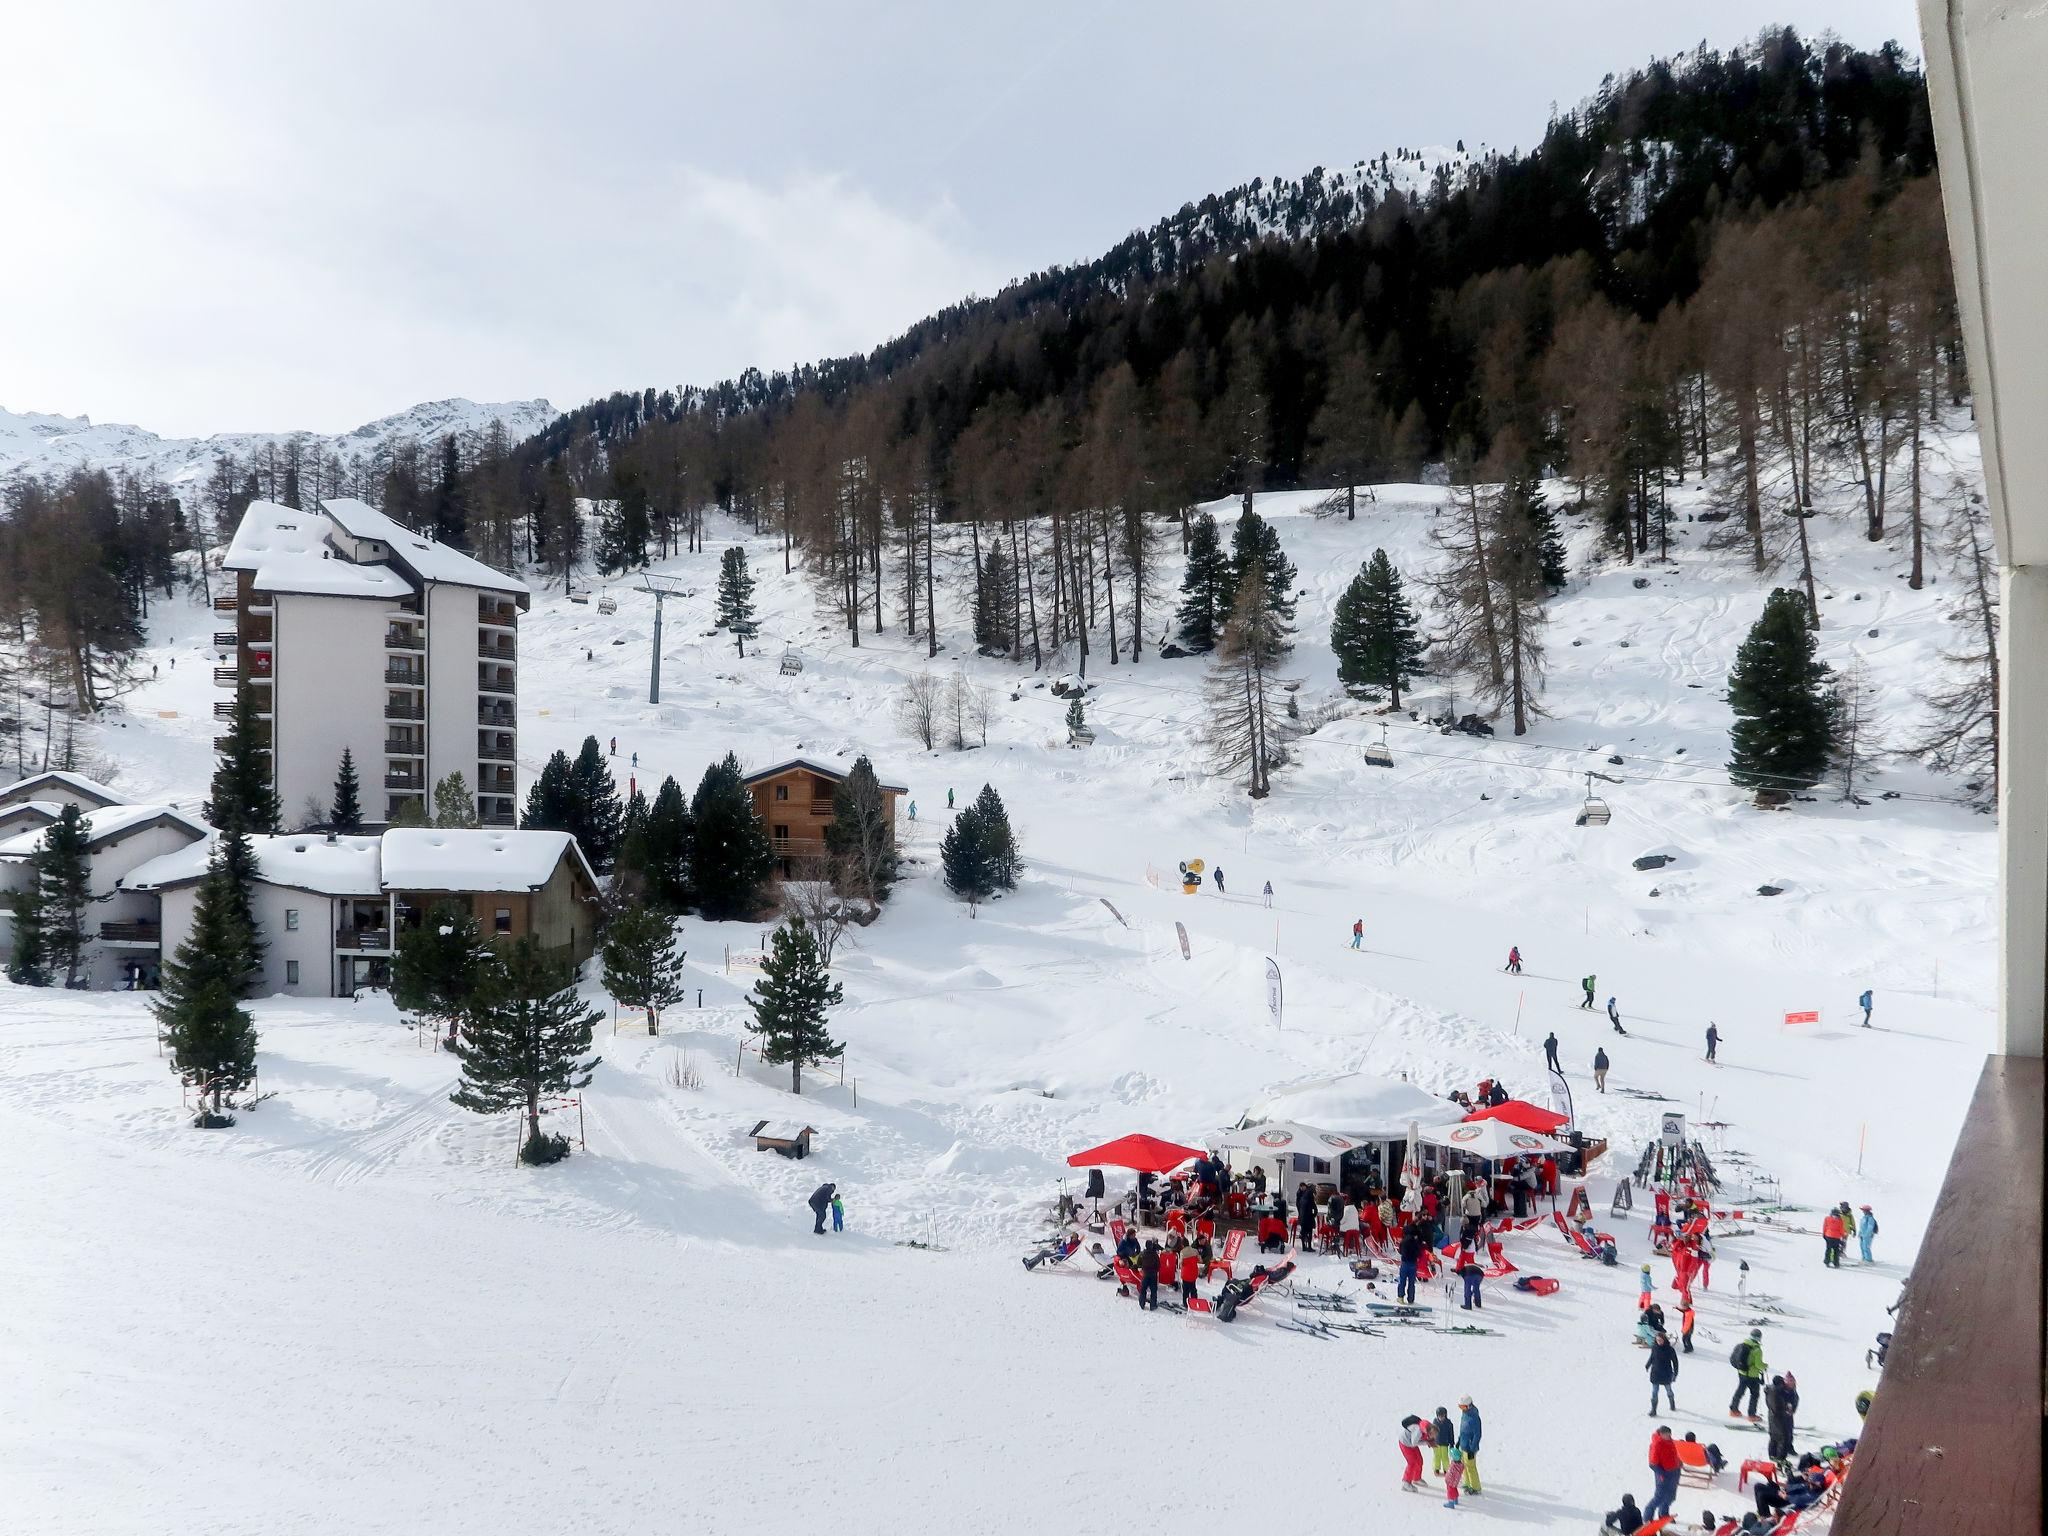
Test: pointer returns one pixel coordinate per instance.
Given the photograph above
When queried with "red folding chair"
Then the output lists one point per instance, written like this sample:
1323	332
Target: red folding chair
1227	1260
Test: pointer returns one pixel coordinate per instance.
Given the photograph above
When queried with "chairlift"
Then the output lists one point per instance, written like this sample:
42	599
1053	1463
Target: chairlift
607	604
1379	756
1594	813
792	662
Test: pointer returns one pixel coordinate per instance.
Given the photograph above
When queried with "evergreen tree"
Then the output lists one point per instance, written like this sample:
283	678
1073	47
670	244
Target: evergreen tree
450	517
522	1035
641	966
731	855
1373	632
1077	717
547	798
411	812
736	597
212	1042
1784	713
668	849
1550	542
625	526
629	864
791	1000
995	603
243	797
1207	587
25	963
861	839
438	965
998	842
454	805
60	870
964	858
594	805
1255	542
347	813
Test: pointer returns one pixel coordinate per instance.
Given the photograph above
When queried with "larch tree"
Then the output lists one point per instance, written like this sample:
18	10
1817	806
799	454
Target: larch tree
1247	727
792	1002
523	1035
1515	566
1964	736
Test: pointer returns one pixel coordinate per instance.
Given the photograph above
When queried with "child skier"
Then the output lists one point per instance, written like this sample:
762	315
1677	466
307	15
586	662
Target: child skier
1357	932
1452	1474
1866	1232
1441	1436
838	1212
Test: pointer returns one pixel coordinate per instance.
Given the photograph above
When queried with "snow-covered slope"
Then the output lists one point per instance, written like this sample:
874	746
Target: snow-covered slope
38	444
370	1320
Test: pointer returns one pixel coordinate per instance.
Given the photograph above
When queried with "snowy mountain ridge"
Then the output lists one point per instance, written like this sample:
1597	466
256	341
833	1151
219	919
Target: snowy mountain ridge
40	443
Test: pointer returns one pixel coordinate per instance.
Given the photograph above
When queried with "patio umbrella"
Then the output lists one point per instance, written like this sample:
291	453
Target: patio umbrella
1522	1115
1492	1140
1141	1154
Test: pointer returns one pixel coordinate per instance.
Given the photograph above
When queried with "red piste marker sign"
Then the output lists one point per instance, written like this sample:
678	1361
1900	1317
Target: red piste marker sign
1810	1016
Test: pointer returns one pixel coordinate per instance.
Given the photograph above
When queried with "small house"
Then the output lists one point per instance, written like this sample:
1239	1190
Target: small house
792	1138
794	801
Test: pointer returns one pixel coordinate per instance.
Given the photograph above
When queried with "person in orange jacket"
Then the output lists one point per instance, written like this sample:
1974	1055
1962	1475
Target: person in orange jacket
1832	1235
1190	1272
1664	1466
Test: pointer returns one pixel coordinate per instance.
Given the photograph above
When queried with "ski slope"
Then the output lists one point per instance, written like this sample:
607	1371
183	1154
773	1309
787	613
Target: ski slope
369	1320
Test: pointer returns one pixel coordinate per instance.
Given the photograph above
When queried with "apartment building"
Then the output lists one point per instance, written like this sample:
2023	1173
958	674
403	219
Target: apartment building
355	632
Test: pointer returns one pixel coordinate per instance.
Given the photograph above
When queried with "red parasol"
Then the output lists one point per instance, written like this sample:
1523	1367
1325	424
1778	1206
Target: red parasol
1141	1154
1523	1116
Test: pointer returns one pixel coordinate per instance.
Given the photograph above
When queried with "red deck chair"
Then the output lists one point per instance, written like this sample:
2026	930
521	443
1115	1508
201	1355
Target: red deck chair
1227	1261
1693	1467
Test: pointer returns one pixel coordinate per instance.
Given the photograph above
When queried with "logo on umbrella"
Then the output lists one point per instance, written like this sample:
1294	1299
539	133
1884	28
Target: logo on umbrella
1275	1138
1529	1142
1465	1133
1335	1141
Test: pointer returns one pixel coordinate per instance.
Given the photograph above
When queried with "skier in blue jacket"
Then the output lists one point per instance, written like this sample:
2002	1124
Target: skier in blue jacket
1863	1002
1866	1232
1468	1442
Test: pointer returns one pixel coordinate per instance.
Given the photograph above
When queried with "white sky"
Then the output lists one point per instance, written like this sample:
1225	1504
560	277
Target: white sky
247	216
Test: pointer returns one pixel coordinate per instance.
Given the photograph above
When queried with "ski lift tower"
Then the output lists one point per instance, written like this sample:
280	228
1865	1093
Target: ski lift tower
661	587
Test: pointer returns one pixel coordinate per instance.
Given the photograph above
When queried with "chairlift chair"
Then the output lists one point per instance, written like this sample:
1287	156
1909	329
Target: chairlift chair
1594	813
1379	756
607	604
792	662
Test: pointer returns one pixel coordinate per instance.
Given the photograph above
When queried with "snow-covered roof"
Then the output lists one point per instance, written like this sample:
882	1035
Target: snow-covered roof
105	824
783	1130
38	813
823	770
427	559
305	861
1356	1104
287	551
55	778
474	859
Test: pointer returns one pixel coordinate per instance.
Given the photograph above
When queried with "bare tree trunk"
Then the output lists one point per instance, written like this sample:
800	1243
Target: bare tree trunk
1031	597
1109	585
1489	627
931	607
1752	499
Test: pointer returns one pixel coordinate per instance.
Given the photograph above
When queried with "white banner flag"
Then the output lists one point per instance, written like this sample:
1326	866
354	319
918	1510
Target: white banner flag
1560	1095
1273	989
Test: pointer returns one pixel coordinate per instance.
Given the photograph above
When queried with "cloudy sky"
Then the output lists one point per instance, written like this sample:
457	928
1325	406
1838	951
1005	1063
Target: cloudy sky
279	215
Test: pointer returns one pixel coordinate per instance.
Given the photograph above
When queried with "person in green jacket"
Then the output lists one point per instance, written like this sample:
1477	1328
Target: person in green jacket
1748	1360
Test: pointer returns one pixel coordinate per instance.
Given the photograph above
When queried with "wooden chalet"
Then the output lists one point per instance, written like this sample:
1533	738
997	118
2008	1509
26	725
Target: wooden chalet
794	801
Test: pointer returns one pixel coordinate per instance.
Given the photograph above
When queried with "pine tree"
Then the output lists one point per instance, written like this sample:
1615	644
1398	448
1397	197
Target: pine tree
212	1042
439	964
669	835
1784	713
1373	631
995	603
593	805
861	839
979	851
60	869
629	863
791	1000
998	842
547	798
454	805
1255	542
736	597
1207	588
451	506
731	856
522	1035
347	812
1077	718
243	797
25	962
641	966
1550	543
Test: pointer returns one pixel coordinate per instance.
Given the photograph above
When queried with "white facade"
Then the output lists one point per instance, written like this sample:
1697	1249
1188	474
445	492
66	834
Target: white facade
122	924
298	929
355	632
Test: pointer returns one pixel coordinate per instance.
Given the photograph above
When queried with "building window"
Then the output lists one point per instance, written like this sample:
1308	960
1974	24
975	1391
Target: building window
782	791
291	973
291	919
503	921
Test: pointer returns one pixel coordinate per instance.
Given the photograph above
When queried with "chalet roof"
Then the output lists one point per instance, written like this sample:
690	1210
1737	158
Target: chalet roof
287	551
475	859
102	826
823	770
424	557
56	779
29	813
783	1130
300	861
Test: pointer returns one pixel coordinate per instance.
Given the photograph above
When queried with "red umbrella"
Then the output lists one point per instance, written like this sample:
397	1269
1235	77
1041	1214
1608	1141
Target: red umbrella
1142	1154
1523	1116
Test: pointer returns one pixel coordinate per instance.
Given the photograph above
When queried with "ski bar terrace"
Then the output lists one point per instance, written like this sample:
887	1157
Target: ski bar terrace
1953	1441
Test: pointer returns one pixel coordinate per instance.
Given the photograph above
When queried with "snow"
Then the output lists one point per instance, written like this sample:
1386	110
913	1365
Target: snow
471	859
345	866
361	1315
427	558
287	551
1356	1104
77	783
101	825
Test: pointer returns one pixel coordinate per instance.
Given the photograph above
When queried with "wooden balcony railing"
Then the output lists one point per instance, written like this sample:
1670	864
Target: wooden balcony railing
227	602
132	933
1953	1441
363	938
494	747
226	639
227	677
798	847
499	652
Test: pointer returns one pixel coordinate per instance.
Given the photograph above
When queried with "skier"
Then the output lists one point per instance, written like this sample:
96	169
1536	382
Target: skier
1413	1437
1600	1069
615	747
1305	1216
1218	875
1550	1052
1713	1039
949	799
636	759
838	1212
1663	1368
1149	1261
1833	1233
821	1200
1664	1466
1587	982
1748	1359
1614	1017
1686	1319
913	810
1268	893
1411	1260
1782	1401
1357	932
1866	1233
1514	959
1468	1442
1451	1476
1863	1002
1441	1437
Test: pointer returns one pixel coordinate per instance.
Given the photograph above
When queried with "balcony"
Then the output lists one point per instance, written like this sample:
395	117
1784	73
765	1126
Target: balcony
502	650
359	939
498	614
798	847
225	711
404	640
227	602
405	781
1953	1441
225	639
494	747
404	709
495	781
405	677
132	933
401	746
498	682
221	744
495	818
227	677
497	716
